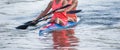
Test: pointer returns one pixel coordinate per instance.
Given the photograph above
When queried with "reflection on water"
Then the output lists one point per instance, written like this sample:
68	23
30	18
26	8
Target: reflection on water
63	40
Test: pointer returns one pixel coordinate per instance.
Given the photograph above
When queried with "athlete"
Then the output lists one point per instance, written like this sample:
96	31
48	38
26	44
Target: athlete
72	17
59	16
63	37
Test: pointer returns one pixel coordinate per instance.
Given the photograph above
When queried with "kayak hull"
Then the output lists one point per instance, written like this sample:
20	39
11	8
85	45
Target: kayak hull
53	26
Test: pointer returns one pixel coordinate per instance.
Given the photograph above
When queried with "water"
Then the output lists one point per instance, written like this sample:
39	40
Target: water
98	30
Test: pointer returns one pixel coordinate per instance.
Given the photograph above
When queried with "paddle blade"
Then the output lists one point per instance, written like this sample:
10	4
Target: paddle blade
30	23
22	27
74	11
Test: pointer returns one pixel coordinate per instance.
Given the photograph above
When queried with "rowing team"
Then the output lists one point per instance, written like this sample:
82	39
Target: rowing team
59	16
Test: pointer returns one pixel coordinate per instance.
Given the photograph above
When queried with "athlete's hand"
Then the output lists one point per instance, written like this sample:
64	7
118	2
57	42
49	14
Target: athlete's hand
61	10
71	19
45	18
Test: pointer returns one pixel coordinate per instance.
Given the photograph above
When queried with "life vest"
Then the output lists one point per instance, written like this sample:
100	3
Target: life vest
61	15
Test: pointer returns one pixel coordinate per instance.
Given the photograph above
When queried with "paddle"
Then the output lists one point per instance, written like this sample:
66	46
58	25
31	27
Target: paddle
28	24
70	12
73	11
31	24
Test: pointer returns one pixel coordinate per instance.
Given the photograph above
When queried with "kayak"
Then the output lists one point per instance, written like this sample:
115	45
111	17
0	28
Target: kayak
49	27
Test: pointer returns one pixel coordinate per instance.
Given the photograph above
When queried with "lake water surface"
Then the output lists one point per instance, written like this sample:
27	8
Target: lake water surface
99	28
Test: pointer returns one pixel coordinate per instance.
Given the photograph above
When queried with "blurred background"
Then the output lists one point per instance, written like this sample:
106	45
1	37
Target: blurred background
99	28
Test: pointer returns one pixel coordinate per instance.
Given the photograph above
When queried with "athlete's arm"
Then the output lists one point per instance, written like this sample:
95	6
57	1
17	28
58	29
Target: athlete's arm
73	5
44	12
63	4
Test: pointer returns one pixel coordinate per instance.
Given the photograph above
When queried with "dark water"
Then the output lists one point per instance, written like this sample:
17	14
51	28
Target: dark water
99	28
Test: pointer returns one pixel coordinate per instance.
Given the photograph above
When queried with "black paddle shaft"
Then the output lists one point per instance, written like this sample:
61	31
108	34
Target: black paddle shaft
73	11
69	12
